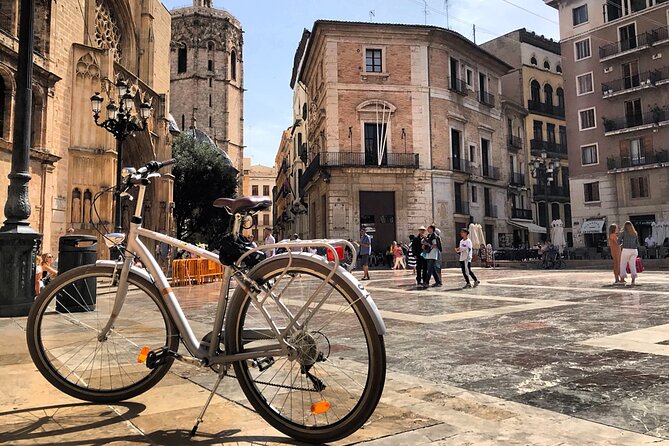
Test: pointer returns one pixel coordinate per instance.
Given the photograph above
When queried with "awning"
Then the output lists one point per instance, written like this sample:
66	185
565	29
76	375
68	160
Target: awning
593	227
536	229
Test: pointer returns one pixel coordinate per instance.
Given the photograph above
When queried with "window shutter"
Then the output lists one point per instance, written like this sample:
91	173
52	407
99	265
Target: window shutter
647	145
624	148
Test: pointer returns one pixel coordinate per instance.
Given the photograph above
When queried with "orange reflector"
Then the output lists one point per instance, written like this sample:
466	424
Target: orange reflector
320	407
143	353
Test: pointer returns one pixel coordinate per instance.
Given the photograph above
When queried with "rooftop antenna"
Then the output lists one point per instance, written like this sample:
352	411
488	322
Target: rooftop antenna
447	7
474	31
372	15
425	11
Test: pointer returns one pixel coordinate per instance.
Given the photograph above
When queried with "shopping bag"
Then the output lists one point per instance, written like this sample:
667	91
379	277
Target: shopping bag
639	266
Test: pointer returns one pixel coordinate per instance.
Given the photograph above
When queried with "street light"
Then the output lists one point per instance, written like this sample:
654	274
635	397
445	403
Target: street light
543	169
122	121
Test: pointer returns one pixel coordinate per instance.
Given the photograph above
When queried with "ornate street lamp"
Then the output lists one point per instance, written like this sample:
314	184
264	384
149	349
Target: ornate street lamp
542	169
121	121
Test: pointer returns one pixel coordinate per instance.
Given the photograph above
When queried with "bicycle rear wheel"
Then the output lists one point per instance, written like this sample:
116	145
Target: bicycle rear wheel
63	327
331	382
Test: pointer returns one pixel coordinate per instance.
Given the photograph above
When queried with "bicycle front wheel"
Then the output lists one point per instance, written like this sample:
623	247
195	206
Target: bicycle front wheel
66	319
331	381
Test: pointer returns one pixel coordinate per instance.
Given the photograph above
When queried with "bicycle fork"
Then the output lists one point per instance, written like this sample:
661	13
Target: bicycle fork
121	293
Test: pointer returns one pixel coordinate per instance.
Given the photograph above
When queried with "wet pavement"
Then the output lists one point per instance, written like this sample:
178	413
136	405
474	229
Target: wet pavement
526	358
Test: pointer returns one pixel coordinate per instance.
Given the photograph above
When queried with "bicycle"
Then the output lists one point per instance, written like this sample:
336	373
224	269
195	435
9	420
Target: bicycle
304	338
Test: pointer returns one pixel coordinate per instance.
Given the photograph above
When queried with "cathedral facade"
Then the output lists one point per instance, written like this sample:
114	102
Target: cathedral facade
83	47
207	75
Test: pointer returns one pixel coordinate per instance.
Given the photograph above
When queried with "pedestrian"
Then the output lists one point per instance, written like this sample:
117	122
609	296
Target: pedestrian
629	240
421	263
252	241
38	275
365	252
411	258
614	246
268	239
431	256
48	271
465	250
440	259
398	256
490	256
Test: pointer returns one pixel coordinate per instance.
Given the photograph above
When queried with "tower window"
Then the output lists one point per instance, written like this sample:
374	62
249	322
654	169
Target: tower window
182	64
210	65
233	65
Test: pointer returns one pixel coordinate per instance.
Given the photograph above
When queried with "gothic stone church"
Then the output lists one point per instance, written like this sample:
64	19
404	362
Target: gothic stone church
80	47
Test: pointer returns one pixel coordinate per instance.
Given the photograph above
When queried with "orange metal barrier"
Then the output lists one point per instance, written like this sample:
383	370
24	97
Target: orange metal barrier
195	272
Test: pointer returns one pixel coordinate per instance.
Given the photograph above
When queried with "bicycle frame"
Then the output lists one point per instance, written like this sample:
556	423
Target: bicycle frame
203	353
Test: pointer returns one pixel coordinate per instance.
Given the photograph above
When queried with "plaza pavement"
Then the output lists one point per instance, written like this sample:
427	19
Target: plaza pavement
528	358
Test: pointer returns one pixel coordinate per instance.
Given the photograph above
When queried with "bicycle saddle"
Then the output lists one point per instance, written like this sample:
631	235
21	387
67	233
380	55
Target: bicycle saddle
244	204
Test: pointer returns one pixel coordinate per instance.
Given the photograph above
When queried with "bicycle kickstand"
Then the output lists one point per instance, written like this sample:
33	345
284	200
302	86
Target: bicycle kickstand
200	418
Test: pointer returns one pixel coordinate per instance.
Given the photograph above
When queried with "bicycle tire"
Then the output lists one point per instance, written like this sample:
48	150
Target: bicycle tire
376	368
39	323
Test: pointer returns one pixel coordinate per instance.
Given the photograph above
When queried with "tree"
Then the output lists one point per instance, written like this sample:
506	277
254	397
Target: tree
202	173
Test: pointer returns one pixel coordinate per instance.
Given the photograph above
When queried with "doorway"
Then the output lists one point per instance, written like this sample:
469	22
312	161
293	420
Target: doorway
377	212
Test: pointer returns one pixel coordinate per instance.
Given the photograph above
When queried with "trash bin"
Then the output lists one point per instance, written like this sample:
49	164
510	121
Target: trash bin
74	251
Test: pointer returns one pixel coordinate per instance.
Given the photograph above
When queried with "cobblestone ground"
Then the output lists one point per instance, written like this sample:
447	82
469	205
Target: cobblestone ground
527	358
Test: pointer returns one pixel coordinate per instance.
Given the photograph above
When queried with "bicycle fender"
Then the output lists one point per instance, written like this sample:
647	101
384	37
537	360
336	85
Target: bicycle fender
133	270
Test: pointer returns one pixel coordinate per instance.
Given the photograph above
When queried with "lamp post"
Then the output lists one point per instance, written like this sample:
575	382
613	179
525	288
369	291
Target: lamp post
122	121
542	169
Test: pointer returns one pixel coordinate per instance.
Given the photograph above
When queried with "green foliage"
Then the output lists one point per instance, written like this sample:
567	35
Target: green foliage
202	173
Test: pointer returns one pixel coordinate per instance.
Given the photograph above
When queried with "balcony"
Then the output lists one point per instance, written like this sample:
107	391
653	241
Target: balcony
461	165
632	121
515	142
457	85
521	214
461	207
490	211
633	83
638	42
517	179
553	149
491	172
358	159
486	98
545	109
648	159
553	192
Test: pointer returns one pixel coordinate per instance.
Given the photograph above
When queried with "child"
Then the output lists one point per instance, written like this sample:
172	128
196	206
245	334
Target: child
465	251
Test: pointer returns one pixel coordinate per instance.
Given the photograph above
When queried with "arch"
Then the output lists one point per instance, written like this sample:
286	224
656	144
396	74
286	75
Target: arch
211	46
533	60
535	91
114	22
558	68
37	120
548	94
233	65
560	97
547	64
555	211
8	87
75	207
372	105
86	211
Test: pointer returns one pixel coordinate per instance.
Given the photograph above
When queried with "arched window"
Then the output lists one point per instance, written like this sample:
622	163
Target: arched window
210	46
558	68
560	97
555	211
182	64
567	216
88	197
183	123
233	65
548	93
543	214
547	65
533	60
2	107
75	209
535	91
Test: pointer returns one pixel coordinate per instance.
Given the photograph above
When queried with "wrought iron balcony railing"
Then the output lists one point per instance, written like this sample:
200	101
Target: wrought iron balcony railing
461	165
490	172
621	46
546	109
647	159
552	191
553	149
457	85
515	142
517	179
522	214
486	98
461	207
490	210
645	79
632	120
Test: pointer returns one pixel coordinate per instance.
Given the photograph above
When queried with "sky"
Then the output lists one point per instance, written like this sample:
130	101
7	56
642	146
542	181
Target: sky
272	31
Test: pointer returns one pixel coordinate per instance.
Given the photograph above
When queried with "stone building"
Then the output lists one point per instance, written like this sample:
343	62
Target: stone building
404	128
536	82
207	75
80	47
617	90
258	180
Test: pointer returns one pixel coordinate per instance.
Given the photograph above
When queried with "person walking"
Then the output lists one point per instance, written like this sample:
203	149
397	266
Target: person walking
411	258
440	258
431	256
629	240
614	246
365	252
465	251
417	250
398	256
268	239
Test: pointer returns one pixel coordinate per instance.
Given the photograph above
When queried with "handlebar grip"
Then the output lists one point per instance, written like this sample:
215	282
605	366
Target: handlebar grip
168	162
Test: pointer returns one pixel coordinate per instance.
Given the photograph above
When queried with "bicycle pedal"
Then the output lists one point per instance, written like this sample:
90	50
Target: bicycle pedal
156	358
263	363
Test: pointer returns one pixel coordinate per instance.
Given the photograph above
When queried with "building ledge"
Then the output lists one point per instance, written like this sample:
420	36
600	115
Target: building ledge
637	128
